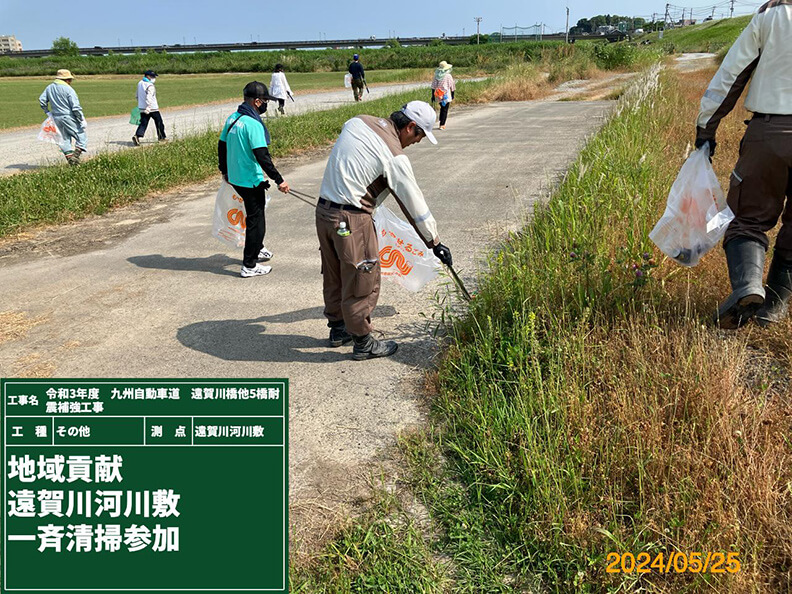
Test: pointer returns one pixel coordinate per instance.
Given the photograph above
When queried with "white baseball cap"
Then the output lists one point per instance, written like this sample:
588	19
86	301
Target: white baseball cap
423	115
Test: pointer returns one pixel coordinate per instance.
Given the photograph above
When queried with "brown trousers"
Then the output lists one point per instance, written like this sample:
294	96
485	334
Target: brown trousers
761	184
350	267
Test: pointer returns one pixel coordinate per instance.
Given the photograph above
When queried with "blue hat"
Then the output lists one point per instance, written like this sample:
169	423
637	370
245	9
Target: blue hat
355	57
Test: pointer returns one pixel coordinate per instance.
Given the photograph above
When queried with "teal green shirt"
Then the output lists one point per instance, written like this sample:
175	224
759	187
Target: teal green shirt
246	135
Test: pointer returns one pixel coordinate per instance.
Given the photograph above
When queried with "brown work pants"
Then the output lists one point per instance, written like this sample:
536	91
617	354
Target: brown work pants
760	188
350	267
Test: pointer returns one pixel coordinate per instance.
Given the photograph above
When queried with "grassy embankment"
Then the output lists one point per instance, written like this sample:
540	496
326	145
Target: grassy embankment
489	56
105	95
712	36
51	195
584	405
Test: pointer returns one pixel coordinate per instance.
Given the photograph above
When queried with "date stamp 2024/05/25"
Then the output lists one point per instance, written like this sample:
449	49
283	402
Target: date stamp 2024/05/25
673	562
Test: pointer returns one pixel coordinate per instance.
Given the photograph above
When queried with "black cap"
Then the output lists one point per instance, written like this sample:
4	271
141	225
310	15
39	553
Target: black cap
278	67
150	74
257	90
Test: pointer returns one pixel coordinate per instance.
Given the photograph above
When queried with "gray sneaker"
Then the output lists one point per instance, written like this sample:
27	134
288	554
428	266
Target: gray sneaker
136	140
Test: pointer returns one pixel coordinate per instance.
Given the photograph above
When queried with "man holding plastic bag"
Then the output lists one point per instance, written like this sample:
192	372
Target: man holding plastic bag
761	178
243	159
60	102
366	163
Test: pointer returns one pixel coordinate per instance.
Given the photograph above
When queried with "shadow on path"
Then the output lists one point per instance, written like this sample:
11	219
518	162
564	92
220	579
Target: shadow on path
250	340
215	264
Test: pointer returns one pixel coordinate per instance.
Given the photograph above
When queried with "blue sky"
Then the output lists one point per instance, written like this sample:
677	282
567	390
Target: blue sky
149	22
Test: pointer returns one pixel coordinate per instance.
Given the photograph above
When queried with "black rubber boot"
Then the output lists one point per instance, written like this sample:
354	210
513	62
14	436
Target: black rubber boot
745	258
368	347
338	334
777	291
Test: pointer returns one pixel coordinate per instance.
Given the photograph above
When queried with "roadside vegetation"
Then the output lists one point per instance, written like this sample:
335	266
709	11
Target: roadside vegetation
106	95
487	57
59	193
108	180
712	36
584	406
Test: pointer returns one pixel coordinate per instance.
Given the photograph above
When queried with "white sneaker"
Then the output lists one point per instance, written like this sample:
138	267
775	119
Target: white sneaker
258	270
265	254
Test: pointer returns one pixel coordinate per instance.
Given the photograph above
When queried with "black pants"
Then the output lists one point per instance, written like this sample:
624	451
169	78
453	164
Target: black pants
256	224
444	113
281	103
760	189
144	120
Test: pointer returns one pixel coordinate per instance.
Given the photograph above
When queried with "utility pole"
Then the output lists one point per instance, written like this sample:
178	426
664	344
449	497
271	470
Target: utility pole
713	13
731	9
478	22
567	25
665	18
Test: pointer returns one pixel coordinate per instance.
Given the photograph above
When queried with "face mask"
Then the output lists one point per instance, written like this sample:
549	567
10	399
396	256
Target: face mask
263	107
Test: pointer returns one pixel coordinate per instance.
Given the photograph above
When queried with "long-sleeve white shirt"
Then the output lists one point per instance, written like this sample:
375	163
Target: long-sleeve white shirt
366	164
279	86
147	96
762	55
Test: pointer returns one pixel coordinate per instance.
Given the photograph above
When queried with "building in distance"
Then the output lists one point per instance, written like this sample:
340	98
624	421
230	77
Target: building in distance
9	43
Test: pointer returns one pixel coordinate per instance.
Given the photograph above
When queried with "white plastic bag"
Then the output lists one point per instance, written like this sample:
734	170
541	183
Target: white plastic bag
347	80
696	214
228	224
49	132
404	258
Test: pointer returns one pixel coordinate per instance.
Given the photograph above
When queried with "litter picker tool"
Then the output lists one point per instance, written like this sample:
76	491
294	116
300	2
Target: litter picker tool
365	85
459	283
291	97
304	197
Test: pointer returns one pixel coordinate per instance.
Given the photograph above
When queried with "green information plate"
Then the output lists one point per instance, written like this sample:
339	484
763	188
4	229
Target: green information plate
144	485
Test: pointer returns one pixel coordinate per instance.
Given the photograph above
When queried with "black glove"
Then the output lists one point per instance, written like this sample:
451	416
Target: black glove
443	254
712	144
433	95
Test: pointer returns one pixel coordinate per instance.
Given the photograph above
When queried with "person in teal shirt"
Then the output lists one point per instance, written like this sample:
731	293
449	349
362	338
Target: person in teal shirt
243	159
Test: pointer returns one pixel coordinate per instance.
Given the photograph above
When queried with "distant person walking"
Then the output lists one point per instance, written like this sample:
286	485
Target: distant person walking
149	108
760	188
279	87
243	159
358	77
443	89
61	102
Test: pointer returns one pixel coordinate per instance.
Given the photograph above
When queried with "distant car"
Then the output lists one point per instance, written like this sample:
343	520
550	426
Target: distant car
709	18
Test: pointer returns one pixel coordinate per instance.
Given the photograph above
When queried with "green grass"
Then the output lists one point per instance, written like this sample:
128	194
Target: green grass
489	56
583	407
115	95
384	552
711	36
58	193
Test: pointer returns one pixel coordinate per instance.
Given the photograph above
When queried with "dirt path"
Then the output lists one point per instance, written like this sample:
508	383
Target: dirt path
21	151
146	292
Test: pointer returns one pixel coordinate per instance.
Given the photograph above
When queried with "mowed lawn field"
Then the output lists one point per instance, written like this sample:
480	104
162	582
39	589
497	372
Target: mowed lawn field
105	95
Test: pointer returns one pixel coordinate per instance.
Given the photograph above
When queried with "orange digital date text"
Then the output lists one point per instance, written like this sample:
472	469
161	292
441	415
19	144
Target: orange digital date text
673	562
